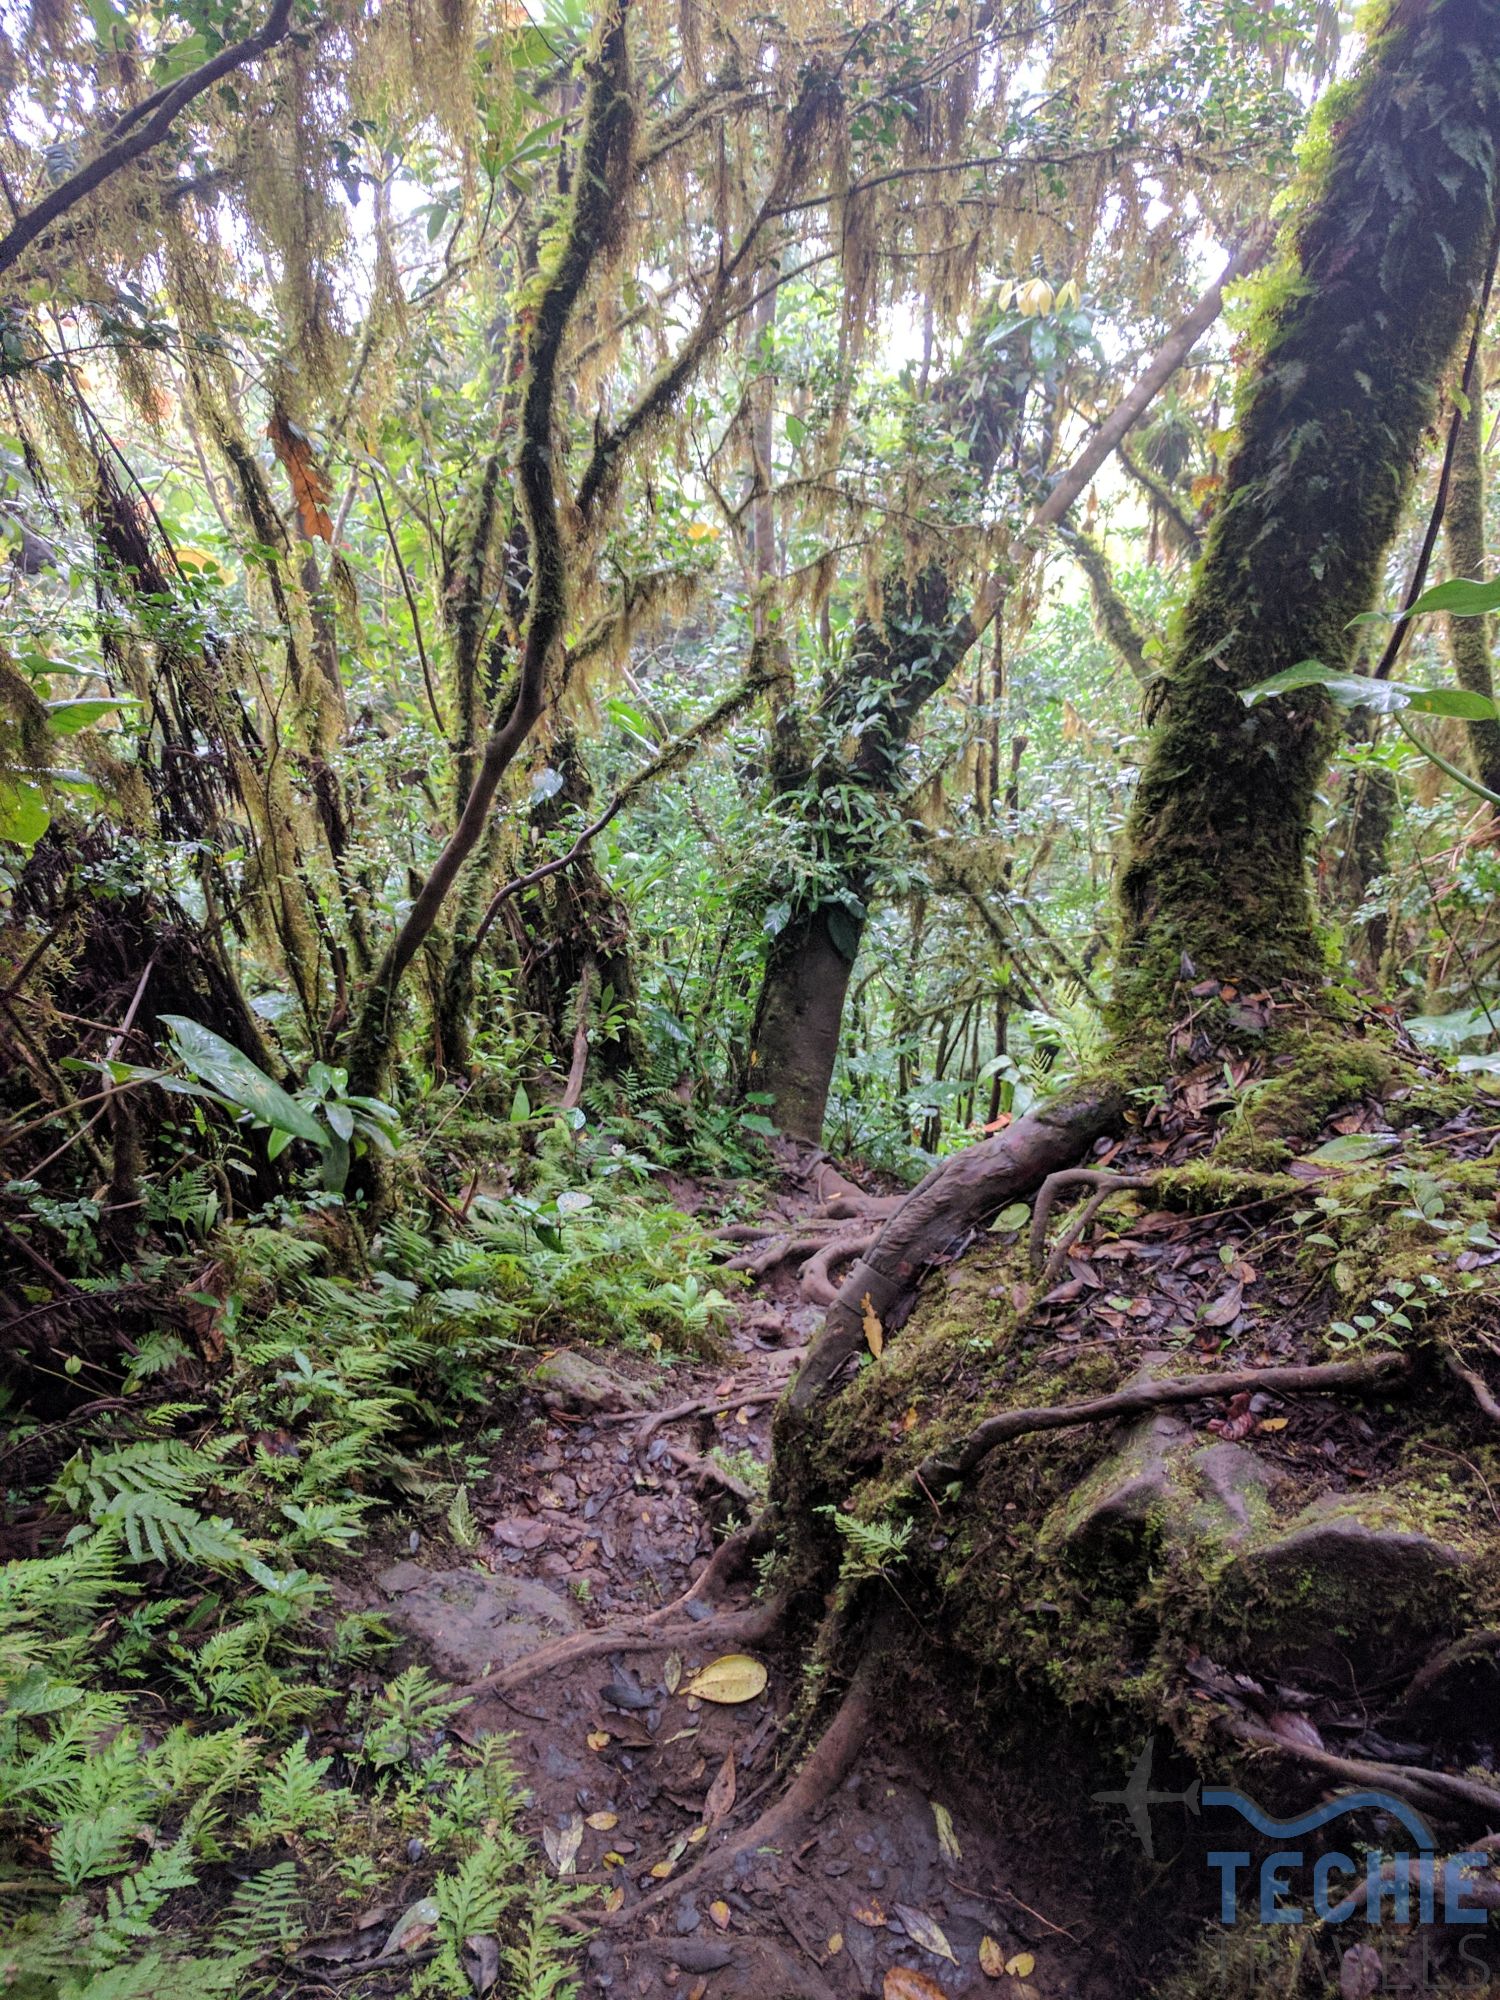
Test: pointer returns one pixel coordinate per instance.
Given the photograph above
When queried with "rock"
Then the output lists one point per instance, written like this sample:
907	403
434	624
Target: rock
571	1381
466	1620
687	1916
1347	1582
699	1954
1456	1695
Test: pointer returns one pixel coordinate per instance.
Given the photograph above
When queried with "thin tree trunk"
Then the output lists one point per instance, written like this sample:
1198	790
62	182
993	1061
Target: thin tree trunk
1469	638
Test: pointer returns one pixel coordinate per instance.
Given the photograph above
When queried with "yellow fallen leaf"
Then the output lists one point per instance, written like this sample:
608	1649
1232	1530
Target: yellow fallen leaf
947	1838
613	1899
602	1822
719	1911
613	1860
835	1944
1273	1423
991	1958
663	1869
733	1678
698	1833
598	1739
1022	1965
874	1331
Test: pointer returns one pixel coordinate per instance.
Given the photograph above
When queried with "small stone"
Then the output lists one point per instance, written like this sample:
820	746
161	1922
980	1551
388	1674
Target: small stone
688	1918
571	1381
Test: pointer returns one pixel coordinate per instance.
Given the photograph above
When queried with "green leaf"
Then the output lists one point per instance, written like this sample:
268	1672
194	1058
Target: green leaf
66	718
1460	598
1354	1146
520	1106
753	1122
24	812
341	1118
1383	697
243	1082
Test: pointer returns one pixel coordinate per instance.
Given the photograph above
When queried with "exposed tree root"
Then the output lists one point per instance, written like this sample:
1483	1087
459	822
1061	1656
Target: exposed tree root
822	1771
814	1277
752	1626
1104	1184
706	1475
957	1461
1434	1790
938	1217
755	1399
1476	1385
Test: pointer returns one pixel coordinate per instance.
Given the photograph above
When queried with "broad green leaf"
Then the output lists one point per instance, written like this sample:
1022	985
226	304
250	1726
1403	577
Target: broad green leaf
1452	701
520	1106
24	812
243	1082
1383	697
1460	598
66	718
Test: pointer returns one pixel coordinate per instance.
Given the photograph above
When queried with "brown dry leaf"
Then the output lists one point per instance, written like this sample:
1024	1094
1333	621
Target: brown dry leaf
698	1989
310	487
1224	1308
903	1985
720	1798
601	1822
671	1672
923	1931
719	1911
870	1915
1022	1965
613	1899
731	1679
991	1958
874	1331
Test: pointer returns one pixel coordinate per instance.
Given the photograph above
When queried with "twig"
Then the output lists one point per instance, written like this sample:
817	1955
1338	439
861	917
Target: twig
1290	1380
411	603
1052	1187
1419	1785
1476	1385
1114	1184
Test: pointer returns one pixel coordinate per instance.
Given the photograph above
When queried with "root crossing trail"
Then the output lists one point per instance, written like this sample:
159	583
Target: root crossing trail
733	1856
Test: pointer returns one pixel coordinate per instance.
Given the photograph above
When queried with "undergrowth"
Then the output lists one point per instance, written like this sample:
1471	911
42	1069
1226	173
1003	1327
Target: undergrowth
206	1757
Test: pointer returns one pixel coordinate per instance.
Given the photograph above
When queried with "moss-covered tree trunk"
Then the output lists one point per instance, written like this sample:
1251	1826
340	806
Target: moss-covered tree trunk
1358	332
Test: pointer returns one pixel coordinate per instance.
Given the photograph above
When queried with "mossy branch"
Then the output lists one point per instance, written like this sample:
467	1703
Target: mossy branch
604	174
1113	616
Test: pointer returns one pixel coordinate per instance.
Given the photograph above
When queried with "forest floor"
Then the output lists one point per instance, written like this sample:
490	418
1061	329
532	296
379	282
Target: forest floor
618	1480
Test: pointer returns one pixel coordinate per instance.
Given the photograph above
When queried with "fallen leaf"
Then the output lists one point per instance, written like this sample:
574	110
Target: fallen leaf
733	1678
1224	1308
1021	1966
602	1822
310	488
870	1915
719	1911
835	1944
720	1793
563	1842
874	1331
1295	1729
903	1985
597	1739
1361	1973
671	1672
414	1926
947	1838
663	1869
991	1958
614	1860
922	1931
1273	1423
613	1899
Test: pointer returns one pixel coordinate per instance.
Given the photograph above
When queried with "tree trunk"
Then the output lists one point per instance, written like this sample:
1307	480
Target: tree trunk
1387	270
798	1016
1469	638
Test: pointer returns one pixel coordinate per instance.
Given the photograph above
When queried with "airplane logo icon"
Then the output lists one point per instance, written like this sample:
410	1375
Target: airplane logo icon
1138	1798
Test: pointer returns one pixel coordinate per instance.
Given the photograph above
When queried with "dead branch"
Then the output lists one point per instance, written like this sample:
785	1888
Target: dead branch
1309	1379
1422	1787
1476	1385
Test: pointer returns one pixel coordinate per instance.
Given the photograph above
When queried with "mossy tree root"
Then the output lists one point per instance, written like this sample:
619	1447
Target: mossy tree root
957	1461
1476	1385
821	1773
938	1217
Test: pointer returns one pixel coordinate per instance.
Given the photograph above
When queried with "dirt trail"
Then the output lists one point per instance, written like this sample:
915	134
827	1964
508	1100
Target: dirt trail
608	1507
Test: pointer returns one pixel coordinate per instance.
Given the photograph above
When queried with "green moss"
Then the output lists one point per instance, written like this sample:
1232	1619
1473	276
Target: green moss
1321	1070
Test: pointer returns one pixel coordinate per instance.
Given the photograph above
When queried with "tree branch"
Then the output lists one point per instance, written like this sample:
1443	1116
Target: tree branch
139	130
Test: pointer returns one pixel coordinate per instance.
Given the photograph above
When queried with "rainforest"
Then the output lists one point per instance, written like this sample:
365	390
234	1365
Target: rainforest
749	999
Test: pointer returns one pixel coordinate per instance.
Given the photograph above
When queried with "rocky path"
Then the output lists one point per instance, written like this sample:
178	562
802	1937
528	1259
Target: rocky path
622	1479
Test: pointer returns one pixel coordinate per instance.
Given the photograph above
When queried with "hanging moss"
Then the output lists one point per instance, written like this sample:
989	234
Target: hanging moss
1358	329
